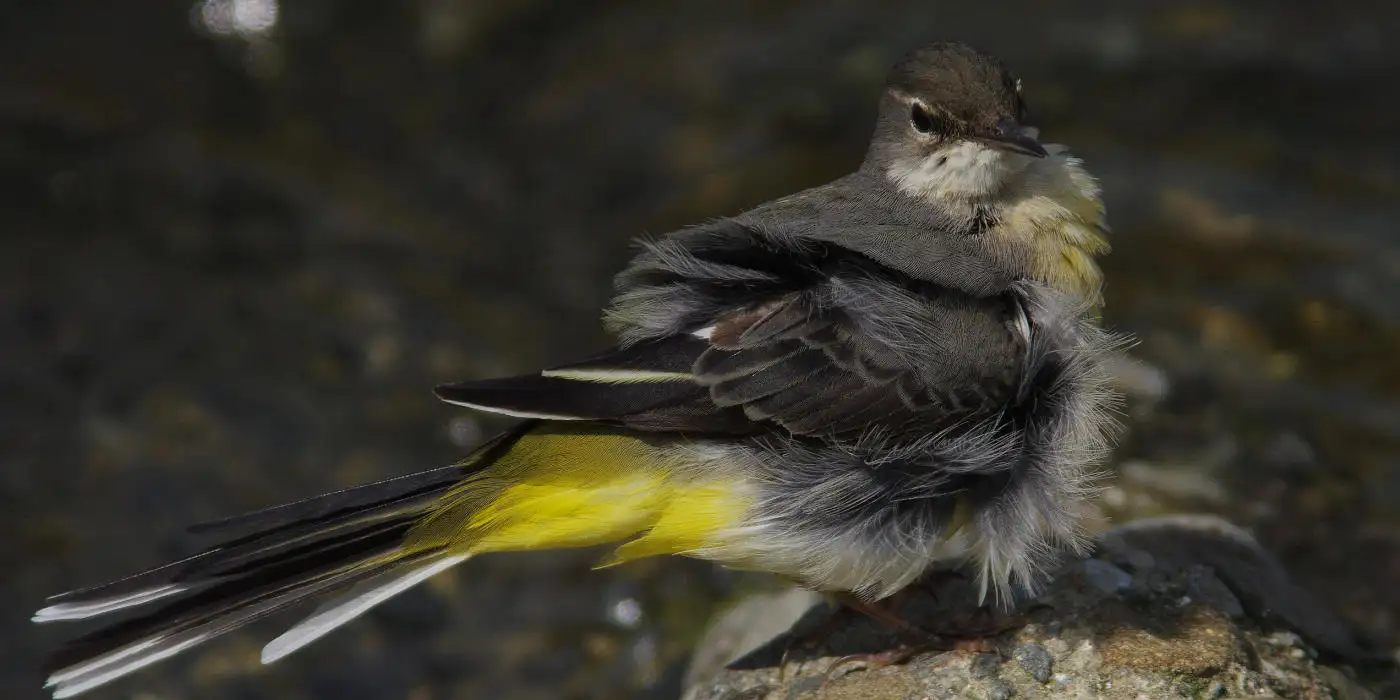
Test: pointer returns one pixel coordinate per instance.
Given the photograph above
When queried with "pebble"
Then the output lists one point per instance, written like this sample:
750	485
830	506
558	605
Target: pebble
984	666
1000	690
1203	585
805	685
1036	660
1105	576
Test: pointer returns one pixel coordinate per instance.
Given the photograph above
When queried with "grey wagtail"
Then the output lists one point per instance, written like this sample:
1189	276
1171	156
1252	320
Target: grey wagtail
841	387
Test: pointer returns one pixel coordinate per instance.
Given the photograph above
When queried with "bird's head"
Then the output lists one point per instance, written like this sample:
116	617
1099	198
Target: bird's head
952	135
952	124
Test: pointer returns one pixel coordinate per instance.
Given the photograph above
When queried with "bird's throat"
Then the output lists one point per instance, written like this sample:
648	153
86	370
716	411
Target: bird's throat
1048	223
1041	218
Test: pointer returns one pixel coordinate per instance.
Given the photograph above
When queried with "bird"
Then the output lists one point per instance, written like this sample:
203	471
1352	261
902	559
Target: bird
844	388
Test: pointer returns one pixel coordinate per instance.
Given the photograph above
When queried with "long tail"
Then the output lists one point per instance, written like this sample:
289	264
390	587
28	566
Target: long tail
353	542
541	486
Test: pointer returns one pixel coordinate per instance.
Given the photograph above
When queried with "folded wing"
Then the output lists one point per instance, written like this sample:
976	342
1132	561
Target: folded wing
795	362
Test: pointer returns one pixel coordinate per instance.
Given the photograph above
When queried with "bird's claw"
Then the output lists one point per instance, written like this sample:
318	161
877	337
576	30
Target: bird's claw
873	661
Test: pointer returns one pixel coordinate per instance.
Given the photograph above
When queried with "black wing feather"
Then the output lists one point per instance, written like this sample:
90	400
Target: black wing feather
811	371
791	344
766	381
535	395
674	354
716	366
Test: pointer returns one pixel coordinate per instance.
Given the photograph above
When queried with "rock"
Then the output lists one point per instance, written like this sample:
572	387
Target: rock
1105	576
1199	641
1203	585
1036	660
1345	687
1000	690
1139	379
745	626
985	666
1256	580
1158	611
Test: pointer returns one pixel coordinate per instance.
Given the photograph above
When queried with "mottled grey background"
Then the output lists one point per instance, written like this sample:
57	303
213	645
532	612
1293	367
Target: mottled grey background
242	239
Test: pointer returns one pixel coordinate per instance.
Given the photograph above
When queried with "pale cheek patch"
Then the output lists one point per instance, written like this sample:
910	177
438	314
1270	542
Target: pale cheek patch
961	171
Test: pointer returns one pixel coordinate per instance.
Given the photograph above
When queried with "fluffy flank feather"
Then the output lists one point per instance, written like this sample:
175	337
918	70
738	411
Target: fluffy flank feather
1066	421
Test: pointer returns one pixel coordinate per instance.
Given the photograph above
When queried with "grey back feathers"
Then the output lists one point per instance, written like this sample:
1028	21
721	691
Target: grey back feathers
947	392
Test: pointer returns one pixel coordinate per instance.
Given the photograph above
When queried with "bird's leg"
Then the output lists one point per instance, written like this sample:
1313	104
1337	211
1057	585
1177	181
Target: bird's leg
812	638
978	640
885	612
874	660
914	639
934	580
849	603
975	625
976	644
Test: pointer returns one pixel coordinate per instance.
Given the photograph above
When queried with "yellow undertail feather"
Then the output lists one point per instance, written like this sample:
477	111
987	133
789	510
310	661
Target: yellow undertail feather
554	489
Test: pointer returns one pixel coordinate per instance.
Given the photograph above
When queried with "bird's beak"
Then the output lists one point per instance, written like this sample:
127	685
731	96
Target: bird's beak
1010	136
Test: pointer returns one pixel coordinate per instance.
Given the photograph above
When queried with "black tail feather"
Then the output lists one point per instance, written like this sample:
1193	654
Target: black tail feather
268	560
261	563
355	500
272	529
285	579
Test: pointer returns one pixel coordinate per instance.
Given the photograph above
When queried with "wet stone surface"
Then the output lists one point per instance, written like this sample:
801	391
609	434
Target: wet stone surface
1077	640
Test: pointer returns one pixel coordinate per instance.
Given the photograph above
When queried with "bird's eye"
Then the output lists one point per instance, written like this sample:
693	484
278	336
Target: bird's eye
921	118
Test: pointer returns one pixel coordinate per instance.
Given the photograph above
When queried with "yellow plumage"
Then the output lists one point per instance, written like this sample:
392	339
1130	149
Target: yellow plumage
556	488
694	513
1058	219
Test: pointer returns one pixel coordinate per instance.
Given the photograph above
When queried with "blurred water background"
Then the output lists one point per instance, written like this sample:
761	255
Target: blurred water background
242	239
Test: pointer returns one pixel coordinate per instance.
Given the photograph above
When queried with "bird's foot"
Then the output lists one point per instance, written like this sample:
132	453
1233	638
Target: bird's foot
935	579
972	644
982	624
813	638
874	660
976	632
885	612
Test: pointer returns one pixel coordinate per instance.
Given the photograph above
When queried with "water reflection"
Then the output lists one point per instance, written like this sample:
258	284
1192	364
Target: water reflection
245	18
